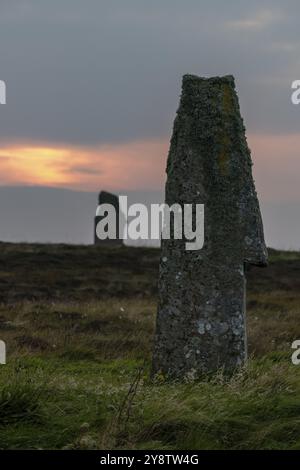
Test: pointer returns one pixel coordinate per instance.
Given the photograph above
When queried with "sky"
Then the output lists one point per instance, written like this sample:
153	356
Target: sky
93	87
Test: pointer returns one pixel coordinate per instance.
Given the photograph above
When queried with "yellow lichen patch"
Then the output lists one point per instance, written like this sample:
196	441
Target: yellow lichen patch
227	103
223	157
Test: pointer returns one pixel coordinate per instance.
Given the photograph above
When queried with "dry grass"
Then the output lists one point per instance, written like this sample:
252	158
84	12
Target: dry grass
79	329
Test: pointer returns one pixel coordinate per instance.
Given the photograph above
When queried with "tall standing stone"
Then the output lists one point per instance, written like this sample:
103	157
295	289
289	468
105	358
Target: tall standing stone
201	312
108	198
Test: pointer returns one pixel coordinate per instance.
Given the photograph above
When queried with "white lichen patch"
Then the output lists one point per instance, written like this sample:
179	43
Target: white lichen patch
201	327
248	241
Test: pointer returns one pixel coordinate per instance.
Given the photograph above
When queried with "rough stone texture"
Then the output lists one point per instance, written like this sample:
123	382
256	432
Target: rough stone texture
201	312
108	198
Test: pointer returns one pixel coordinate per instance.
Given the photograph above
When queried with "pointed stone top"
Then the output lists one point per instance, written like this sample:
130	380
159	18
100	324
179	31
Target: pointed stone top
106	197
195	78
209	156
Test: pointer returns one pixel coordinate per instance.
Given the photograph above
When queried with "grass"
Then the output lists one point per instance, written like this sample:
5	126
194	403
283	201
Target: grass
78	366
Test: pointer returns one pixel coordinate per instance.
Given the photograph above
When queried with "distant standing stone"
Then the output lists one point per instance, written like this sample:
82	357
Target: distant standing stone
201	312
108	198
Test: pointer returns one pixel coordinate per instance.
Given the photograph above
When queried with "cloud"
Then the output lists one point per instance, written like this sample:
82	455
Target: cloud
84	170
130	165
92	73
140	165
261	20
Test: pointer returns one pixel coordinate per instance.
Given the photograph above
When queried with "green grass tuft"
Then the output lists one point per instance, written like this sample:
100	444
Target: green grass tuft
79	336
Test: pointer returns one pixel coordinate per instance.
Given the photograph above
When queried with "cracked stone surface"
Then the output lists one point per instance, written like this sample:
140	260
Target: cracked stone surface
201	312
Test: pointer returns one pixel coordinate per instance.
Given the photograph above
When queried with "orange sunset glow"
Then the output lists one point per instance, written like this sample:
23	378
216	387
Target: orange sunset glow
138	165
129	165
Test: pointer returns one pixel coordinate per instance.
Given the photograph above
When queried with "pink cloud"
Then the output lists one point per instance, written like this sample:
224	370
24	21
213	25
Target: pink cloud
134	165
141	165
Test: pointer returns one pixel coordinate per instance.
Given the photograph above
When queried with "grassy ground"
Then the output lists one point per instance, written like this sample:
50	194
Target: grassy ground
78	323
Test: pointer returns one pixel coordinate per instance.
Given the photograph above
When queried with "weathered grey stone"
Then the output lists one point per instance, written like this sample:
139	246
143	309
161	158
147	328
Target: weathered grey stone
201	319
108	198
